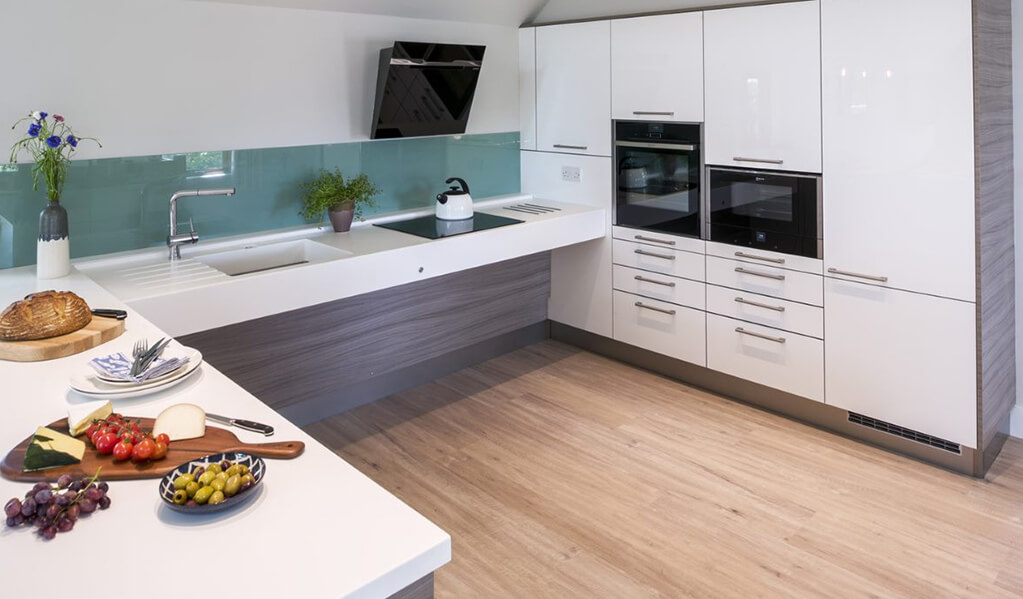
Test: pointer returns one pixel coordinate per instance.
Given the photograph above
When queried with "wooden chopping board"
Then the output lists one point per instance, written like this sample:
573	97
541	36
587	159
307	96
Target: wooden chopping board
98	331
216	440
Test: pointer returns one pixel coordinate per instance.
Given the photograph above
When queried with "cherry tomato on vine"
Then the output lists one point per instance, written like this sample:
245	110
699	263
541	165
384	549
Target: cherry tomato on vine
159	450
163	438
122	451
105	443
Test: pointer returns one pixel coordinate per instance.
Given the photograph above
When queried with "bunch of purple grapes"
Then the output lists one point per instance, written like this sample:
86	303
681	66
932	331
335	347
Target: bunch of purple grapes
56	508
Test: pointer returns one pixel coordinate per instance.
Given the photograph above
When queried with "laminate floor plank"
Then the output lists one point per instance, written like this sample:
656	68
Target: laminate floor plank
560	473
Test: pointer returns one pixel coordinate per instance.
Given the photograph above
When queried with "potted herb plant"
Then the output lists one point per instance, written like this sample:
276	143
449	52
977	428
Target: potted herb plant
343	199
50	142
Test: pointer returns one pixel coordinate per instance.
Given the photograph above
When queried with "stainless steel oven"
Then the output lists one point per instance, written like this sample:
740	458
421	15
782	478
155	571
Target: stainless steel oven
767	210
657	177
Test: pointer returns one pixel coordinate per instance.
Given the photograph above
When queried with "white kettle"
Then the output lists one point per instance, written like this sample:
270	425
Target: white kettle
455	203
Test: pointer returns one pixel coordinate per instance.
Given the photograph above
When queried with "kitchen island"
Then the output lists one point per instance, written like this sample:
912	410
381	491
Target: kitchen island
318	528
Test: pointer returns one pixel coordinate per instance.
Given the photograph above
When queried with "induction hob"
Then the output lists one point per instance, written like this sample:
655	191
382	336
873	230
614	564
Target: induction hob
432	227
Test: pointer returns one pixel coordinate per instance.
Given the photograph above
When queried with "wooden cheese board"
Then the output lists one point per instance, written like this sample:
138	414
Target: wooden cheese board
98	331
216	440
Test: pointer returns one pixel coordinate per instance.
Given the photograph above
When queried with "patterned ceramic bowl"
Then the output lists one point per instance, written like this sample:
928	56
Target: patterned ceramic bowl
256	467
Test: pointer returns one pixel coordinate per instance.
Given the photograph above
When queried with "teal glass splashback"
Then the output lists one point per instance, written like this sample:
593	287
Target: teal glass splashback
117	204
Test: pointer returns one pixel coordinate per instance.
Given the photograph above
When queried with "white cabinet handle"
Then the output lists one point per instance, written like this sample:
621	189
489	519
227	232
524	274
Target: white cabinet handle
763	258
760	160
756	273
568	147
652	113
655	309
654	281
846	273
654	255
740	300
654	240
743	331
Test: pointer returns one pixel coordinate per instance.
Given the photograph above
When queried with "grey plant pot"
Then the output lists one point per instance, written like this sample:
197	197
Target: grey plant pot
341	216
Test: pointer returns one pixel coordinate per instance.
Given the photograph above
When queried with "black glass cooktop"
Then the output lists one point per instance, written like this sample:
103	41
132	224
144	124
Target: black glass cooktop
432	227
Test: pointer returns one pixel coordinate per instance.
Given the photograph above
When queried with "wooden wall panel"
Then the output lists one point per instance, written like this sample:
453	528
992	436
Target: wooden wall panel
286	358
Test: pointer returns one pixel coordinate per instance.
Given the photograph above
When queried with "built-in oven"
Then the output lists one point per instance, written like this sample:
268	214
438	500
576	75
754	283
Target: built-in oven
657	177
767	210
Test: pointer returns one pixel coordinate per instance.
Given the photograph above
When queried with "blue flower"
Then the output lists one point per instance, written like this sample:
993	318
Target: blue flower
72	141
42	115
53	141
34	129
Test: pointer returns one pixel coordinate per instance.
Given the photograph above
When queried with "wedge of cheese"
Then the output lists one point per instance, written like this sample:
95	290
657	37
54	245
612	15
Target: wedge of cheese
50	449
181	421
80	416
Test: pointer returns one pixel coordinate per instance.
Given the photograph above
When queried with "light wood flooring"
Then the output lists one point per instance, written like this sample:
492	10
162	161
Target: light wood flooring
559	473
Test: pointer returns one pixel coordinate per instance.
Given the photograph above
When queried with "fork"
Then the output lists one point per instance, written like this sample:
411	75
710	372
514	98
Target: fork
140	348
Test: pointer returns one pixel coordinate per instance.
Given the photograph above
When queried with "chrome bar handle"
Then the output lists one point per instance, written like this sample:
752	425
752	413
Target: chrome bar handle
763	258
846	273
740	300
652	113
743	331
655	309
760	160
568	147
655	282
652	254
765	275
664	241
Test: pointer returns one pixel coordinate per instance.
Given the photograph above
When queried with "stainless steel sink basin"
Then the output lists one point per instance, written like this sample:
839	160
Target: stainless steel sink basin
260	258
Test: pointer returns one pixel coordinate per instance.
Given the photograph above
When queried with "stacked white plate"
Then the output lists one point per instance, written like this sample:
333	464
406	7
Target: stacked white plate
89	383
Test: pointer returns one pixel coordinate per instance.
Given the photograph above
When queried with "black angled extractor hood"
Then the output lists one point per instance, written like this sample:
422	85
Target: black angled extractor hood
425	89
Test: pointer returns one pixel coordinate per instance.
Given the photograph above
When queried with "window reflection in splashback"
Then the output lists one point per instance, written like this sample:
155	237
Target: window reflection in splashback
117	204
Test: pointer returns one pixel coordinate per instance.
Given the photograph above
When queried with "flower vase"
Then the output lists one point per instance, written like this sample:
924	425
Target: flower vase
53	251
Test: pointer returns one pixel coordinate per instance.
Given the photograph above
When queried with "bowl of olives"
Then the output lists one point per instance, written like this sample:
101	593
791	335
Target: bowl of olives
212	483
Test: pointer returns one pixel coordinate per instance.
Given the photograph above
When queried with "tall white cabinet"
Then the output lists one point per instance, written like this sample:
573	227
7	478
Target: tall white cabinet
762	84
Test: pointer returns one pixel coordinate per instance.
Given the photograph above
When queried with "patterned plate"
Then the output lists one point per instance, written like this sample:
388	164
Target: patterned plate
256	467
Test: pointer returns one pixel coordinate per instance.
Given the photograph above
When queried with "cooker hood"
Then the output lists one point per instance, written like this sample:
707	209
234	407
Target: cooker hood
425	89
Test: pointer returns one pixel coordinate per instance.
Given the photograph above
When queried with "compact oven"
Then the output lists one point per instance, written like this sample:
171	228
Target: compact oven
657	177
767	210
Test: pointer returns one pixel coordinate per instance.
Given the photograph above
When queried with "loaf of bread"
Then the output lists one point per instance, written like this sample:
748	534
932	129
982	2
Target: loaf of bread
43	315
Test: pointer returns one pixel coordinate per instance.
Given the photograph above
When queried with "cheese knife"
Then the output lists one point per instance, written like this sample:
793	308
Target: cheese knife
110	313
248	425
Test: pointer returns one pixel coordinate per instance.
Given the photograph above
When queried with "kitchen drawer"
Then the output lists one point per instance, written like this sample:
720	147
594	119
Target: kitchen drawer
767	311
754	256
660	287
688	265
675	242
668	329
777	359
766	280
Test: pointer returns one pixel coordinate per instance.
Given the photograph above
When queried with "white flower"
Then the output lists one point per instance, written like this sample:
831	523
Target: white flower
37	115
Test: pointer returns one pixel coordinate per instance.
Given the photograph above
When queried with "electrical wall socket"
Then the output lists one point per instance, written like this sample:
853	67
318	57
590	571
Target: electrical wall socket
572	174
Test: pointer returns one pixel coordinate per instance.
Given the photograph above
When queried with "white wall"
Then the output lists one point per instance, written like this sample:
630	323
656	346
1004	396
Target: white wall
148	77
1017	132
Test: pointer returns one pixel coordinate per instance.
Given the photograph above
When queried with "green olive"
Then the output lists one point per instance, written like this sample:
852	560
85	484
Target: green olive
214	468
216	497
233	484
243	469
203	495
232	470
191	488
248	478
181	481
180	497
218	484
206	477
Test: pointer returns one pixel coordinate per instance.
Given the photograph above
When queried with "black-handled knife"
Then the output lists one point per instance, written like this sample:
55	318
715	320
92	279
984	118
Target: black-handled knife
110	313
249	425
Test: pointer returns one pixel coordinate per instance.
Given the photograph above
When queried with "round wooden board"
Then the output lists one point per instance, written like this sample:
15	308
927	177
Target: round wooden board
98	331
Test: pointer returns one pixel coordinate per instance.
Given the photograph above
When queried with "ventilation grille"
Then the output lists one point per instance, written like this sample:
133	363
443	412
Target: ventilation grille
905	433
532	208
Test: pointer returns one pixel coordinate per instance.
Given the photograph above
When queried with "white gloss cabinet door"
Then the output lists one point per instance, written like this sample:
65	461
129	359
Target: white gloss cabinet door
763	86
898	144
657	68
527	88
901	357
573	88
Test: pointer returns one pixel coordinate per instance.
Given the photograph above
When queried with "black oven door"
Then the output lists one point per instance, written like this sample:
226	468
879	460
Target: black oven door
657	186
770	211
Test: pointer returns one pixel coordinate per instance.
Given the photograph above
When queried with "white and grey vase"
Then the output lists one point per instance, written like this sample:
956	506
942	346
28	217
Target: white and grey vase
53	251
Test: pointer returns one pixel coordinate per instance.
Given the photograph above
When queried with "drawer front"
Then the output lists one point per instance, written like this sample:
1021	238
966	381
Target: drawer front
766	280
801	263
675	242
778	359
674	331
660	259
660	287
767	311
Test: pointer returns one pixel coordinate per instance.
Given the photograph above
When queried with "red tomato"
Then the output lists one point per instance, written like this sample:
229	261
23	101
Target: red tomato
105	443
163	438
92	428
122	451
143	451
159	450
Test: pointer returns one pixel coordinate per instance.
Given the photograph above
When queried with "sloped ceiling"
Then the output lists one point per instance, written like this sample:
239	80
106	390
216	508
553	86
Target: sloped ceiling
497	12
570	10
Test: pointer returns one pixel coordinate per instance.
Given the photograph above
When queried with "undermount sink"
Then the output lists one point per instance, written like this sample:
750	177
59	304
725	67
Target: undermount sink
260	258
